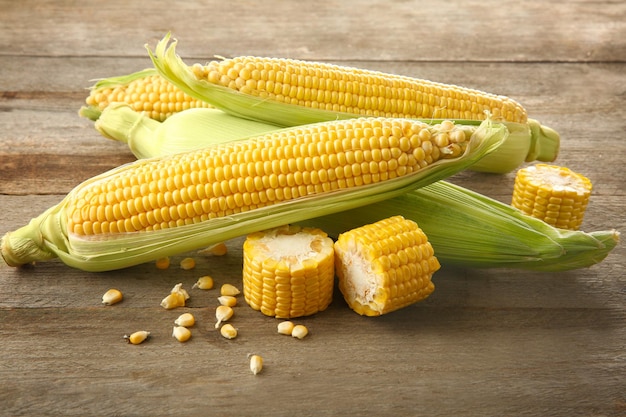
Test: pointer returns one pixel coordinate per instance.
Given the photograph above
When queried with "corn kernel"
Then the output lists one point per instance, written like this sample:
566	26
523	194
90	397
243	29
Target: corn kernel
222	313
187	264
256	364
219	249
228	289
182	334
228	331
163	263
137	337
285	327
185	320
176	298
227	300
204	283
299	331
112	296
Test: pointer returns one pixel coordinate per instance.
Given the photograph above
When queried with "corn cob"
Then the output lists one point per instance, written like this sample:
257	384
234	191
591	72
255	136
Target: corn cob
384	266
553	194
288	271
196	128
146	91
466	228
156	207
289	92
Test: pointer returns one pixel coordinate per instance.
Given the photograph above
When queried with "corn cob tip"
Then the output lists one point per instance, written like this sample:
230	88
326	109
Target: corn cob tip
17	251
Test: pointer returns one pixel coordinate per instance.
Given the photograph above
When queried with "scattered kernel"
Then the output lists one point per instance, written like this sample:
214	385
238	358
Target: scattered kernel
163	263
182	334
228	289
285	327
204	283
112	296
228	331
256	364
185	320
222	313
137	337
219	249
227	300
299	331
176	298
187	264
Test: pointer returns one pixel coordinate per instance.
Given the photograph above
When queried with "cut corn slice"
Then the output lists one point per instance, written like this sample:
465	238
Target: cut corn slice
146	91
553	194
162	206
289	92
385	266
288	271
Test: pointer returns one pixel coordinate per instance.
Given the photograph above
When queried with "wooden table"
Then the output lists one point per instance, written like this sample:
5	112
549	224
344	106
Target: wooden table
487	342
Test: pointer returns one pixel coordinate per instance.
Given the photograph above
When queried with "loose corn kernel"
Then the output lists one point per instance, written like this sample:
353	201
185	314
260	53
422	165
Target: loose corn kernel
112	296
554	194
285	327
137	337
256	364
219	249
299	331
227	300
177	298
163	263
228	331
228	289
182	334
204	283
222	313
187	264
185	320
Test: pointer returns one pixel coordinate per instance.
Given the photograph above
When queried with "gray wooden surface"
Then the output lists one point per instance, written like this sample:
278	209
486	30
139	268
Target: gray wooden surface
486	343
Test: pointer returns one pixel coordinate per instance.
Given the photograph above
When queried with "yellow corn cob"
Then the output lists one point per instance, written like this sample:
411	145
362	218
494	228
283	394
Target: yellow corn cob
146	91
288	271
384	266
290	92
553	194
157	207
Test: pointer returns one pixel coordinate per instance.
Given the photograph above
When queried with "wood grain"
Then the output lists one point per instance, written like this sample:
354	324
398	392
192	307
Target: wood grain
494	342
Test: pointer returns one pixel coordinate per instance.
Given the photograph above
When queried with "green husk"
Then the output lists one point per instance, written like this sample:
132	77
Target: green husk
185	131
46	236
468	229
527	142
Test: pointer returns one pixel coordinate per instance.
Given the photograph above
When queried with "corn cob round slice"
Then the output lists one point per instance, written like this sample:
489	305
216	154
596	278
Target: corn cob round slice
288	271
553	194
384	266
146	91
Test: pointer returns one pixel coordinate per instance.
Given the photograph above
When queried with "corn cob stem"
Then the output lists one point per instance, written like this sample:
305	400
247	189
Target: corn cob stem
73	231
541	144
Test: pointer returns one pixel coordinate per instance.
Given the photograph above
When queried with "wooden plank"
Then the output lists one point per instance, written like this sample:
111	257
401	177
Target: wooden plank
424	31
